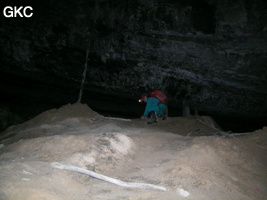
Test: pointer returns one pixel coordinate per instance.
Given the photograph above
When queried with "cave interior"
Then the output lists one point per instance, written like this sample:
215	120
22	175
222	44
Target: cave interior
211	53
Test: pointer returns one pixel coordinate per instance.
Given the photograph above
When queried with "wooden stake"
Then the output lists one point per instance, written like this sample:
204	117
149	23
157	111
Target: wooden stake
84	74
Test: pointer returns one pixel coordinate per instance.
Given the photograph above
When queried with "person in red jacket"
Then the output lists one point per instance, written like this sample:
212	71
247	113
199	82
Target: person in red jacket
154	108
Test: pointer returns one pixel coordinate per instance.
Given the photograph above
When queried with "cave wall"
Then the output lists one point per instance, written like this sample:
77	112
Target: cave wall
213	53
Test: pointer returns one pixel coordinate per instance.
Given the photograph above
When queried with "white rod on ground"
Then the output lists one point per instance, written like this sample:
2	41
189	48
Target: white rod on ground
106	178
225	134
115	118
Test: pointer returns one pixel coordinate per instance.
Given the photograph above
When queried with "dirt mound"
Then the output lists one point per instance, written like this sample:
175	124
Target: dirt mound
98	151
108	152
66	111
51	122
184	155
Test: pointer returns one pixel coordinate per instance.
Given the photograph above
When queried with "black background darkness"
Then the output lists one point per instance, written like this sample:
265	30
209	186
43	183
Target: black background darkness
51	78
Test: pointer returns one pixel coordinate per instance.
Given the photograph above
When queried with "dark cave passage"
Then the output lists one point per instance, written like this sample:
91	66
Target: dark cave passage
128	109
24	99
203	16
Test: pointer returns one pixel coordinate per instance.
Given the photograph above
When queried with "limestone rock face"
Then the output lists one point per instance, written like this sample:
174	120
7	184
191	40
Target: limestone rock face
213	53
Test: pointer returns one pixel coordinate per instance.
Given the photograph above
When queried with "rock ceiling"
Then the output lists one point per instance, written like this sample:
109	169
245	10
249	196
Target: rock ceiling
212	53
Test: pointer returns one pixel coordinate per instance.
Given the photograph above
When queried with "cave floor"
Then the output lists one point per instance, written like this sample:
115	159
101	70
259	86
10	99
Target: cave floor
184	155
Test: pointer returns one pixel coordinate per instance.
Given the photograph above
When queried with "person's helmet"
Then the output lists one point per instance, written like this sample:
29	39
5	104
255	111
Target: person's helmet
143	98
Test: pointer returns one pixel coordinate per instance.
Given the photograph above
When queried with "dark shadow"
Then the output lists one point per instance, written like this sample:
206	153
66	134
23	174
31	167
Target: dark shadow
203	17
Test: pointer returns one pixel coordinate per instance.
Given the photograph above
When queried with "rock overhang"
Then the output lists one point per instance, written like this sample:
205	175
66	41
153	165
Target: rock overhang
138	46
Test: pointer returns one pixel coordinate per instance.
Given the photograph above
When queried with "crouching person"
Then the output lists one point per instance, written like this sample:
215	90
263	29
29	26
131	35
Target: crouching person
154	109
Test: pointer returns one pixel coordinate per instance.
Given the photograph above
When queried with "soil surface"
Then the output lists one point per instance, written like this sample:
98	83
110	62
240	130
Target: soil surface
189	156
